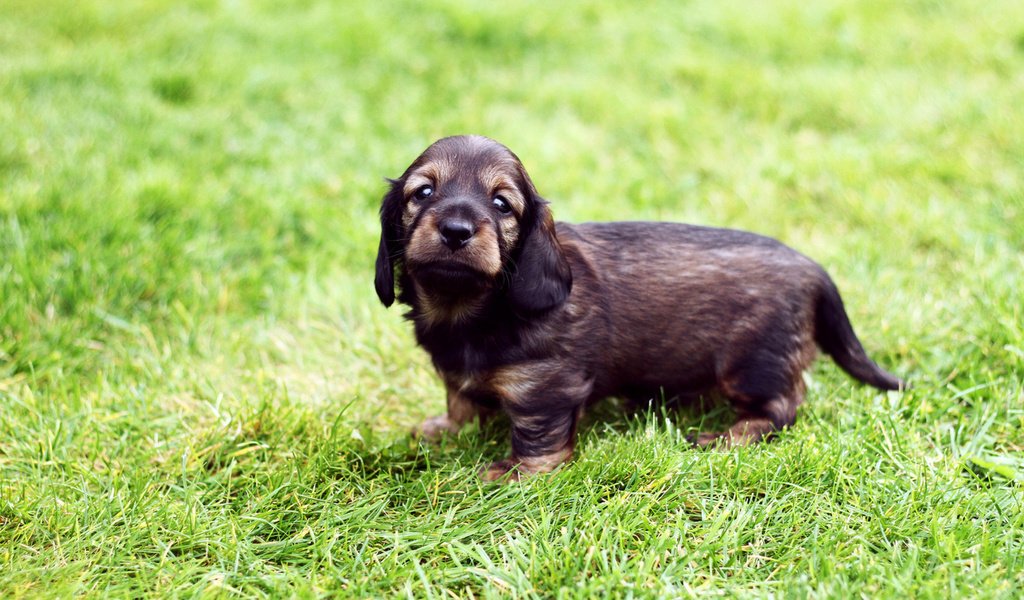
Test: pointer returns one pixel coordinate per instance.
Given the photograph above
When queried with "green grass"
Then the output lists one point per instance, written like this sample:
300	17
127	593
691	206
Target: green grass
200	394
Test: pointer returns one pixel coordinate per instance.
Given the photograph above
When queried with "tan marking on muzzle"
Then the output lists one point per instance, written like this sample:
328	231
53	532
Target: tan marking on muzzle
484	251
423	242
481	252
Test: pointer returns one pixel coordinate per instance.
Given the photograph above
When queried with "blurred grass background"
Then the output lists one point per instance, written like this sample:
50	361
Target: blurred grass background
199	390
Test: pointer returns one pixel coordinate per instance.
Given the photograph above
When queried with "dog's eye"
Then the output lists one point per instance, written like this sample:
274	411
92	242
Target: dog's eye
423	192
501	204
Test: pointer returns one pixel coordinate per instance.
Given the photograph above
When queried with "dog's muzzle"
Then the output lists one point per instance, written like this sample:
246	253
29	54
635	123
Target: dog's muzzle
456	232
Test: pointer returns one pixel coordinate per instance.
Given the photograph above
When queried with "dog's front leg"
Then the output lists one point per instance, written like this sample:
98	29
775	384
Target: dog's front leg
461	410
541	441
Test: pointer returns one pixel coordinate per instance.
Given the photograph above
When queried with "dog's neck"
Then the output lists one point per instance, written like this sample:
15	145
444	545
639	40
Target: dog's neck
446	310
436	309
465	334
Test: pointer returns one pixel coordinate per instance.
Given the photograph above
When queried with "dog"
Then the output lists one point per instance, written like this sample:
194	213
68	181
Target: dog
539	319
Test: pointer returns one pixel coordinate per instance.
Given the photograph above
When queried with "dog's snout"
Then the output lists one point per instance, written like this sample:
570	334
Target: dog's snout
455	233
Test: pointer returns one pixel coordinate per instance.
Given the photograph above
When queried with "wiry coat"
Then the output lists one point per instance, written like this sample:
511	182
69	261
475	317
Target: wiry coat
538	320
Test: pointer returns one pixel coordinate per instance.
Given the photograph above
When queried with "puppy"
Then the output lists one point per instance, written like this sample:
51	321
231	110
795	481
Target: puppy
539	319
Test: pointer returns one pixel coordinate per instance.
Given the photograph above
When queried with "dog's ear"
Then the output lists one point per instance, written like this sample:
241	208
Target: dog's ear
542	278
390	250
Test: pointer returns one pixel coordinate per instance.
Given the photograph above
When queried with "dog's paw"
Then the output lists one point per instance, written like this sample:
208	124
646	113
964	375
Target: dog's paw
503	470
434	428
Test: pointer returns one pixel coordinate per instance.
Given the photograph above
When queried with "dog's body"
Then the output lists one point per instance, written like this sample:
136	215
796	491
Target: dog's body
539	320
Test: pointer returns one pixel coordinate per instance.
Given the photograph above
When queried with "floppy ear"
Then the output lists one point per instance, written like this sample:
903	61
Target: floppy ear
390	248
542	279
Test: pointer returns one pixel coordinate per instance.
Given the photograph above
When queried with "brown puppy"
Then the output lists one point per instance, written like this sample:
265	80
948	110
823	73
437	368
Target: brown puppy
539	319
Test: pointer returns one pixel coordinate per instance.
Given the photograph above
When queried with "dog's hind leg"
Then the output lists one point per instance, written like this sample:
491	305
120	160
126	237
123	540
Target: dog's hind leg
755	424
765	390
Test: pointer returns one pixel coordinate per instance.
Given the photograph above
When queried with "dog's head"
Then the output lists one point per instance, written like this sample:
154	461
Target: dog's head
463	223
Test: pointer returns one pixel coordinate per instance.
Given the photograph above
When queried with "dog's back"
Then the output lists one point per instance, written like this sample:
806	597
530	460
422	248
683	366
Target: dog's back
688	304
685	301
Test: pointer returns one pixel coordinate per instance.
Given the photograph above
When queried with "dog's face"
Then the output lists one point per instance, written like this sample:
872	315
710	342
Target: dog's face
464	223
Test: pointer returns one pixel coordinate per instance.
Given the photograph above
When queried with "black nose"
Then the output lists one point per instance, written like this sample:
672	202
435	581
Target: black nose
455	233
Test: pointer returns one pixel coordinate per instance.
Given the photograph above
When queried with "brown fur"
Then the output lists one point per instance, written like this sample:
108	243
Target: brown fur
538	319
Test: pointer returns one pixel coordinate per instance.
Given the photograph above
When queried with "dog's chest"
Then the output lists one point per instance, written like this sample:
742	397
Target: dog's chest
468	365
472	351
461	358
476	387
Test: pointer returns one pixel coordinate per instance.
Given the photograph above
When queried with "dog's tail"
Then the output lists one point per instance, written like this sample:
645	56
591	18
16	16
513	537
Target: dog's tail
834	334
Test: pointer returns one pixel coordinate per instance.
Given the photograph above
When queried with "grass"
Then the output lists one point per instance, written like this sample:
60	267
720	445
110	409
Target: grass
200	395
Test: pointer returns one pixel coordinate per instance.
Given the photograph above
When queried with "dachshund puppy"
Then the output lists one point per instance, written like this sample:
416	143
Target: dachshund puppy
538	319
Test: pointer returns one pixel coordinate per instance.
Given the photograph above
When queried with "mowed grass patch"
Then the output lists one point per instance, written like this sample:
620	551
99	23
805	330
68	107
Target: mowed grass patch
201	395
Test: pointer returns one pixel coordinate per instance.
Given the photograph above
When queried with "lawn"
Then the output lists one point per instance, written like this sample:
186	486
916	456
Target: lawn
201	395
